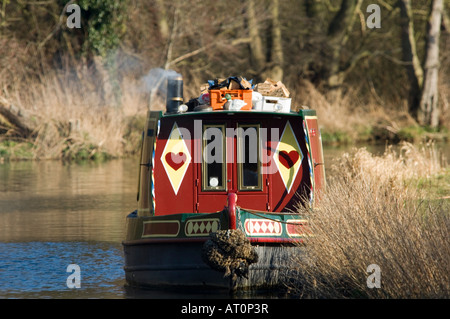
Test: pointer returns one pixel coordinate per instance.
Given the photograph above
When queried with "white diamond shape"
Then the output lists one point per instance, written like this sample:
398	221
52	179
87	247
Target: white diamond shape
256	227
176	144
288	182
263	227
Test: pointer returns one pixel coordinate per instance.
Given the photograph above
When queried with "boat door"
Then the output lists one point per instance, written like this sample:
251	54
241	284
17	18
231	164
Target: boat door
231	163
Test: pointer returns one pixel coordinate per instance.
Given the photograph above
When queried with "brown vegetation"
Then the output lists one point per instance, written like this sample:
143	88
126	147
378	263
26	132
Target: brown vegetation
81	89
374	213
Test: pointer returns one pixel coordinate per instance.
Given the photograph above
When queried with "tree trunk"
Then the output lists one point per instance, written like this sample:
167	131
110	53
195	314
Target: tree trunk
275	71
414	68
256	47
338	33
14	121
311	8
105	87
162	19
428	112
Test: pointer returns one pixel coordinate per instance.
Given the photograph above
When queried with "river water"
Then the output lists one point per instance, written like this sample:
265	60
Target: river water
53	215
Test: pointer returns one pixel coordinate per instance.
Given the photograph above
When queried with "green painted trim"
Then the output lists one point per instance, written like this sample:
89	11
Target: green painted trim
186	220
283	220
307	113
215	113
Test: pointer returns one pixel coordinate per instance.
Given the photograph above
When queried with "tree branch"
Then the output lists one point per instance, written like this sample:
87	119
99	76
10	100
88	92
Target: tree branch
204	48
57	26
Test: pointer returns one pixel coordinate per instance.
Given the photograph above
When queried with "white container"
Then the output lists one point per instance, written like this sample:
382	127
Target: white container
257	101
276	104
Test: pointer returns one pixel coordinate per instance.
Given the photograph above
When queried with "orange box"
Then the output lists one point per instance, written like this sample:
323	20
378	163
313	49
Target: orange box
217	98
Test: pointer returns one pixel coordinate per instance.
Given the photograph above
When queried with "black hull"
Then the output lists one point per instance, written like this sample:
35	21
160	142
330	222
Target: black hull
180	265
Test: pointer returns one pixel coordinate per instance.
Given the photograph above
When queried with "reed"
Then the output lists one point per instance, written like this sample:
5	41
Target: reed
342	116
351	116
373	213
73	120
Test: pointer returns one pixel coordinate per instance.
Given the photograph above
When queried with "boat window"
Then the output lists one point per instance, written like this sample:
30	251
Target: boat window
213	163
249	171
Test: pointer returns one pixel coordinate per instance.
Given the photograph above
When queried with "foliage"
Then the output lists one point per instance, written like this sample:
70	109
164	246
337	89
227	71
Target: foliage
385	210
119	42
105	21
12	150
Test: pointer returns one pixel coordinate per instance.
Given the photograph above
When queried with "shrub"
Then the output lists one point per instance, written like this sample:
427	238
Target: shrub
373	213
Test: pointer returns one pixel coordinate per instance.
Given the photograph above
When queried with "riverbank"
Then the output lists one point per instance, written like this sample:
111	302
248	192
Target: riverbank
62	118
382	228
66	119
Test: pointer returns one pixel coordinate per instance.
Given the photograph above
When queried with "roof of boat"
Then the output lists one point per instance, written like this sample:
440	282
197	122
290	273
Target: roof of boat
302	113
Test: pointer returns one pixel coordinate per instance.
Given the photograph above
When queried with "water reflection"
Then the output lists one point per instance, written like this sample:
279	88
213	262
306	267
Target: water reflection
49	201
53	215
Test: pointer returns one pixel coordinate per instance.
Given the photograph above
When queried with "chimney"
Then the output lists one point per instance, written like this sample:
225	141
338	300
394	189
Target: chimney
174	93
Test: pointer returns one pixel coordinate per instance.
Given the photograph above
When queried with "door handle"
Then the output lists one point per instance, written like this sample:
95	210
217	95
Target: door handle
317	164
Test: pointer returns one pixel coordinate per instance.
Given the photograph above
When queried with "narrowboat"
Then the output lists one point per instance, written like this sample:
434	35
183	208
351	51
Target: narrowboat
218	189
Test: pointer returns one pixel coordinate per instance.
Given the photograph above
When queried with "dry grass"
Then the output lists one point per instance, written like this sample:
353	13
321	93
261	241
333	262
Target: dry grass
349	116
395	168
340	114
73	120
372	213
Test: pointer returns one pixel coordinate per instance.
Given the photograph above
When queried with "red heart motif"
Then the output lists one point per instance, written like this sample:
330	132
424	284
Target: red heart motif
288	159
175	160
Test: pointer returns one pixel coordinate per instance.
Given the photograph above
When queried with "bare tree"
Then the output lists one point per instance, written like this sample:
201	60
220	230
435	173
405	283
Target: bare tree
162	19
428	112
276	59
266	56
410	56
423	104
256	45
338	33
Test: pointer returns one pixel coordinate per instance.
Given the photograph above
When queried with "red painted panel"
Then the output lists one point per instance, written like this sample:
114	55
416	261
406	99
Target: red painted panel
316	154
167	201
280	198
297	228
210	203
161	228
252	200
189	197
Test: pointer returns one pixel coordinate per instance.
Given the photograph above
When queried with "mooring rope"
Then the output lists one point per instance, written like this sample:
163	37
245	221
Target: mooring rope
229	251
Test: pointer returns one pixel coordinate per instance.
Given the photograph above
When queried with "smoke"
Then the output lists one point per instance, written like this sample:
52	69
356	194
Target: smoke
155	84
156	80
